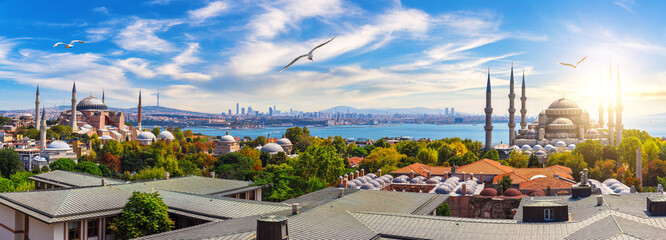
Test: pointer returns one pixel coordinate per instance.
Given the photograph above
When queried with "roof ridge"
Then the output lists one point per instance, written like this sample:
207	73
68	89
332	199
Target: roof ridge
353	214
63	202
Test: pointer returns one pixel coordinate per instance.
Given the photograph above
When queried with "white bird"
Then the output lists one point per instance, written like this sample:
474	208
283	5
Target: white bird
574	66
308	55
71	44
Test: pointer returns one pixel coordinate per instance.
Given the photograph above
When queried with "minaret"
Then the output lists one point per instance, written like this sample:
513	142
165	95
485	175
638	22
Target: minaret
489	112
618	110
611	125
42	133
523	106
37	119
139	113
512	111
103	97
601	100
73	120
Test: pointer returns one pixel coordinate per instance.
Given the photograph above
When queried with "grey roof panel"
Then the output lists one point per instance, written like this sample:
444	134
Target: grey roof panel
73	179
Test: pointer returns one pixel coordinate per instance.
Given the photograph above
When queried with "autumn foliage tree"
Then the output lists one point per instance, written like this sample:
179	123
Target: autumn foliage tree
110	161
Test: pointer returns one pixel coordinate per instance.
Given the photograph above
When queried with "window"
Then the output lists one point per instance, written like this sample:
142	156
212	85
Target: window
74	231
547	214
93	226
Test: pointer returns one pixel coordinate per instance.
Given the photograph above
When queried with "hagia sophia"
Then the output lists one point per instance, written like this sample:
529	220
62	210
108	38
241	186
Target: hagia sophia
559	127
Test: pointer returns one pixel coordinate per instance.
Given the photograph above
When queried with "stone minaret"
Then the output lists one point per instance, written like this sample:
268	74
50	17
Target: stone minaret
489	112
512	111
618	110
601	100
611	125
523	106
73	120
139	113
42	133
37	119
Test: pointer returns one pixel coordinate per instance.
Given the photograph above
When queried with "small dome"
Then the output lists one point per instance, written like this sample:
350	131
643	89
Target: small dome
227	139
527	152
512	192
284	142
610	181
592	132
560	144
399	180
416	180
351	185
526	147
271	148
563	104
432	181
489	192
375	183
549	147
442	190
562	121
571	146
58	145
368	186
371	175
106	137
146	136
90	103
166	135
537	192
87	126
362	179
562	192
258	148
537	147
541	153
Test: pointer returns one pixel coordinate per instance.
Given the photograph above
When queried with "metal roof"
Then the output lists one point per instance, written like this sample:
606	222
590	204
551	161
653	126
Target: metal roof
200	185
69	179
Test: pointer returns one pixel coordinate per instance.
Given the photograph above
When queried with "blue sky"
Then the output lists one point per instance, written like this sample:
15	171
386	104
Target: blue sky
208	55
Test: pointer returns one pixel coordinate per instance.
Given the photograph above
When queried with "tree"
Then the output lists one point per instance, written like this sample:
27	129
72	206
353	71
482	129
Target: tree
603	169
571	160
609	152
178	134
258	141
110	161
188	133
156	131
456	160
88	167
427	156
320	161
9	162
381	143
369	148
359	152
652	170
492	155
95	143
350	148
505	182
21	181
381	158
6	185
234	166
459	147
640	135
113	147
294	134
65	164
61	131
627	150
409	148
444	153
104	170
632	181
533	161
149	174
143	214
662	152
339	145
591	150
517	159
469	157
443	210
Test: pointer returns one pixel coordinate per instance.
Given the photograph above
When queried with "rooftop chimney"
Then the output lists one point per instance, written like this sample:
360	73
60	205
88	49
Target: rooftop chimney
166	175
411	174
379	173
212	174
471	176
481	177
356	173
344	183
362	172
463	176
464	189
340	181
446	175
294	208
104	182
427	174
272	228
600	200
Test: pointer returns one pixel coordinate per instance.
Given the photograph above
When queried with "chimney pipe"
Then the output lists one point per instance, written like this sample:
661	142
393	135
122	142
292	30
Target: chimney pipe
464	189
294	209
272	228
356	173
471	176
344	183
166	175
427	175
362	172
379	173
346	177
411	174
104	182
481	177
463	176
212	174
446	175
500	190
600	200
340	181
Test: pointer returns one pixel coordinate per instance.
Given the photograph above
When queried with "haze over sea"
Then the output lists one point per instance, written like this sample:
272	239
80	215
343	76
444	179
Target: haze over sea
654	125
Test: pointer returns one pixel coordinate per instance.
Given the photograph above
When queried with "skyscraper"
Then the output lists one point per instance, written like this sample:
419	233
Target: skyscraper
270	111
446	111
453	112
242	111
237	105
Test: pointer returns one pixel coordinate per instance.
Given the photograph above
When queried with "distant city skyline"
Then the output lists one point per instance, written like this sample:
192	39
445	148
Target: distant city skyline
208	55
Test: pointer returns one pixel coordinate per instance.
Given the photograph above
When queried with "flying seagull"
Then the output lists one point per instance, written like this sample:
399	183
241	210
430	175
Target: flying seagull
574	66
71	44
308	55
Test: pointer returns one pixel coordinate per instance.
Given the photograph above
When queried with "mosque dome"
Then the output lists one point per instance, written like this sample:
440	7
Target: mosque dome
351	185
549	147
563	104
272	148
58	145
443	190
526	147
562	121
284	142
571	146
146	136
559	144
26	116
537	147
91	103
512	192
368	186
227	139
488	192
541	153
592	132
165	135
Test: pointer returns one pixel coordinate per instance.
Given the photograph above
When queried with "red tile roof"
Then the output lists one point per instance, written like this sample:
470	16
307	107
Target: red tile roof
355	161
420	168
560	169
485	166
544	183
516	178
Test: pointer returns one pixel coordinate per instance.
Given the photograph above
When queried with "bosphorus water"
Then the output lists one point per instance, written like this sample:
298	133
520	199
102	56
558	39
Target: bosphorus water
656	127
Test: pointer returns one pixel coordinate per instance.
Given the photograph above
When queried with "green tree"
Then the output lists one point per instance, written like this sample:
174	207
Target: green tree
277	184
381	143
492	155
444	153
104	170
350	148
517	159
294	134
156	131
603	169
533	161
259	141
427	156
9	162
88	167
149	174
65	164
385	159
6	185
61	131
609	152
113	147
369	148
21	177
95	143
320	161
340	145
143	214
409	148
652	170
640	135
627	150
591	150
359	152
178	134
443	210
469	157
234	166
571	160
505	182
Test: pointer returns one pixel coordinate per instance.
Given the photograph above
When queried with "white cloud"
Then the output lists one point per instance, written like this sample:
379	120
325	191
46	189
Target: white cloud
137	66
186	57
102	10
97	34
279	16
141	36
213	9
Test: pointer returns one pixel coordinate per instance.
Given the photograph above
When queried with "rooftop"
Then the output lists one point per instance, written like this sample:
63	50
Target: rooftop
420	169
68	179
485	166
